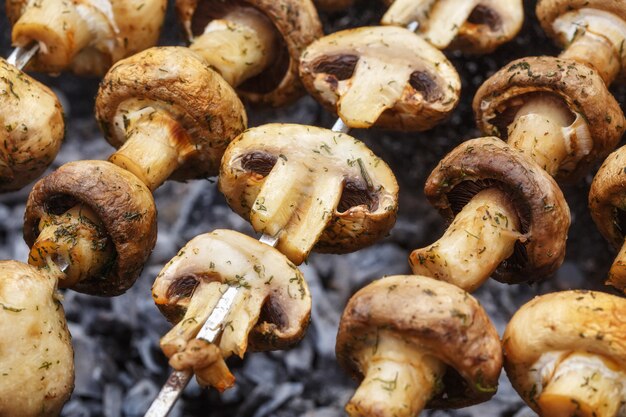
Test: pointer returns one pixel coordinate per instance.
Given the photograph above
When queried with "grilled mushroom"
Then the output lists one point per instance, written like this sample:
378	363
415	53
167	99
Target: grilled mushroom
474	26
415	342
169	114
254	44
309	187
564	354
271	311
86	37
36	357
592	32
27	144
381	76
558	112
508	216
95	222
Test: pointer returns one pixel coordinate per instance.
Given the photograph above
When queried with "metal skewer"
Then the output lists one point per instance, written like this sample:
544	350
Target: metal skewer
20	57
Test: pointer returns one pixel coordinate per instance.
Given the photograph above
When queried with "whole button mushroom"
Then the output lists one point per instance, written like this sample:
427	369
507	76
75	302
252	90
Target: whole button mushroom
93	224
36	357
473	26
564	354
309	187
271	310
507	215
85	36
169	114
557	111
417	343
254	44
381	76
27	144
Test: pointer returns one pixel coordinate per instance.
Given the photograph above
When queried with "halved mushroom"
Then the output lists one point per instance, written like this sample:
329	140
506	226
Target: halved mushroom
169	114
271	311
557	111
36	357
95	222
85	36
254	44
311	188
565	355
508	217
592	32
381	76
416	343
473	26
27	144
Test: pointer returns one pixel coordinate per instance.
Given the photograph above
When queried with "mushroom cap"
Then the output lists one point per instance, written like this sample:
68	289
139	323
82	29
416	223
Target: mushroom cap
440	319
178	81
490	24
122	203
297	23
367	208
567	321
136	25
426	84
544	216
233	258
36	359
28	144
333	5
579	86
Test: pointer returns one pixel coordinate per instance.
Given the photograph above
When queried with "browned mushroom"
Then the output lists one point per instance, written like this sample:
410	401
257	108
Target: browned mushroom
27	144
92	222
474	26
86	37
271	311
36	358
170	115
414	342
565	354
558	112
381	76
254	44
592	32
311	188
508	216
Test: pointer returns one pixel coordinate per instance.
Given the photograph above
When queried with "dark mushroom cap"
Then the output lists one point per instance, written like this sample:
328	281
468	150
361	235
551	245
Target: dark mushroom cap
297	23
567	321
577	85
441	320
122	203
488	162
233	258
430	86
176	80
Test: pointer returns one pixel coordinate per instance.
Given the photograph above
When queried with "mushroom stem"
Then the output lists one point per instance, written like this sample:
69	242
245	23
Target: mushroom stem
597	51
73	243
481	236
399	379
582	385
239	46
617	273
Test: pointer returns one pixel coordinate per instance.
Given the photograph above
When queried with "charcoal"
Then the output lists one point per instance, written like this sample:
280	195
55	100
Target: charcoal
139	398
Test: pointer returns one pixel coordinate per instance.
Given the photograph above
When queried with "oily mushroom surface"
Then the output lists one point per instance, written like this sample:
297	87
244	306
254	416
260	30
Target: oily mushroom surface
435	318
27	144
312	188
84	37
471	26
385	77
488	162
176	81
121	202
298	25
36	356
578	86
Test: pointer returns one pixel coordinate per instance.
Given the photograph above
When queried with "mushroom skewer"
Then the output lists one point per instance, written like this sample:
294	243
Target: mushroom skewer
20	57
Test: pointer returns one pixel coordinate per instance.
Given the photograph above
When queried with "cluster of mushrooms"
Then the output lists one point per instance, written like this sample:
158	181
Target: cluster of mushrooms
414	341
